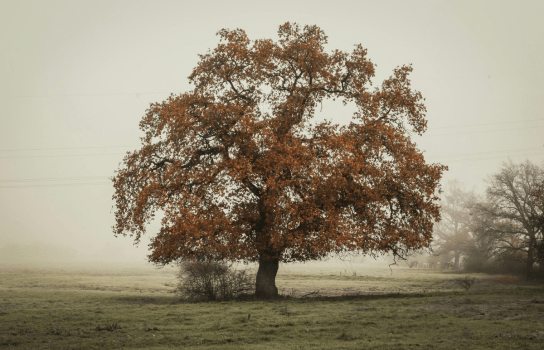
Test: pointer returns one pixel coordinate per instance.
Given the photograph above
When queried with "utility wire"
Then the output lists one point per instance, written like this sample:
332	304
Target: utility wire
431	156
488	76
465	126
8	183
414	78
450	161
57	179
46	149
60	185
445	127
67	155
481	131
485	153
91	95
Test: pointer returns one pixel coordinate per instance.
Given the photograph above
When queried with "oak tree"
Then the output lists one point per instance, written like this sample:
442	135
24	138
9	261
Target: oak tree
241	170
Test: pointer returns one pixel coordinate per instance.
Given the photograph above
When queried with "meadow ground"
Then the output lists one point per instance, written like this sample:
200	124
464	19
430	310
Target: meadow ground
321	308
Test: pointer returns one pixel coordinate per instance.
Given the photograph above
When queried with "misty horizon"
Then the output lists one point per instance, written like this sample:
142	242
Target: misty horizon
78	76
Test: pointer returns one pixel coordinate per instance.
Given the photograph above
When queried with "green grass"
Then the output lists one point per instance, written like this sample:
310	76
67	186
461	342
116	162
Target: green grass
137	309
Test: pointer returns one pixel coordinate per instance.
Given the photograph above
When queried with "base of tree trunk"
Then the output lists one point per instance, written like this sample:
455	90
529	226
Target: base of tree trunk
265	287
456	262
529	271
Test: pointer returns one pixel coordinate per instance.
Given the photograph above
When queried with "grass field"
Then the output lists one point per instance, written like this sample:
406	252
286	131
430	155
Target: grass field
322	308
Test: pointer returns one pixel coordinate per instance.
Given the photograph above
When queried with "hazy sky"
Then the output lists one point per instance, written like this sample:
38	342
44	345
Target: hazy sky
77	76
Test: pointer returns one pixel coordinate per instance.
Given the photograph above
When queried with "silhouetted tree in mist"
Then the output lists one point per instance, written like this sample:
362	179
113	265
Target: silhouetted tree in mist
452	234
513	207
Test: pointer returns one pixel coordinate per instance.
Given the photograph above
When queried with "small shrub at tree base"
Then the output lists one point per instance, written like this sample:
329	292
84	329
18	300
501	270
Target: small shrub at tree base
209	280
108	327
465	282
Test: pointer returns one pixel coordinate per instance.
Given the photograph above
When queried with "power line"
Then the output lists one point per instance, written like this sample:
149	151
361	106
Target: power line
493	155
489	152
60	185
55	148
129	146
489	158
137	94
83	184
445	127
466	126
414	78
488	76
67	155
481	131
56	179
444	156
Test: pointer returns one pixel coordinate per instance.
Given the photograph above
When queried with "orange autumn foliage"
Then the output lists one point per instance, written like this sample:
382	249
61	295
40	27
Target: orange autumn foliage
240	170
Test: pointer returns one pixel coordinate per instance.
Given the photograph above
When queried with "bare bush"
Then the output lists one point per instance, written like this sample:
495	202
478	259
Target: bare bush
465	282
108	327
211	280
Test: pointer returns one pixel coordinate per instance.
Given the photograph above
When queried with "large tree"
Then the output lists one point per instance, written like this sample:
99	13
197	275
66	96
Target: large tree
453	232
480	249
241	171
539	196
513	204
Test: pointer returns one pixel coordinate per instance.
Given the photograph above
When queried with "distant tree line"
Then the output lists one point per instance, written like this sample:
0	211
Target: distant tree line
499	232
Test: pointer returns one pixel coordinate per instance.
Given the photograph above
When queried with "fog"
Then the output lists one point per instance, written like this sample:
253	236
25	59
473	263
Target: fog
77	76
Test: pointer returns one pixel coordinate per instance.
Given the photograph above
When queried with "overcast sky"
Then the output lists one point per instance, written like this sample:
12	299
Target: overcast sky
77	76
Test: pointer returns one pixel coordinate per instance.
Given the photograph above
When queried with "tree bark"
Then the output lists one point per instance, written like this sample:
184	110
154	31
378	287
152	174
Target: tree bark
266	279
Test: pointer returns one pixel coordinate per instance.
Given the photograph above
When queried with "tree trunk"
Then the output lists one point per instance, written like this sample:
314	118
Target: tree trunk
530	259
266	279
456	261
529	270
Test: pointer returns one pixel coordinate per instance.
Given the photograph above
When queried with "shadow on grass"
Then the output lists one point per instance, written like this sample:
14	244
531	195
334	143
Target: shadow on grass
313	297
363	297
137	300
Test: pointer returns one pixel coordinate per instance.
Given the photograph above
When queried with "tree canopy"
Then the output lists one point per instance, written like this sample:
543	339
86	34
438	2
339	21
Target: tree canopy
242	171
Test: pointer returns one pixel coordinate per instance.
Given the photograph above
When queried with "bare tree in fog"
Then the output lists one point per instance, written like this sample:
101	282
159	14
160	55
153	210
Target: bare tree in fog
513	204
480	250
452	233
539	194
